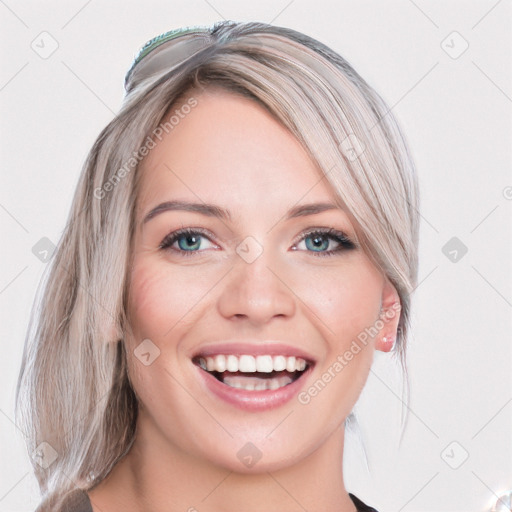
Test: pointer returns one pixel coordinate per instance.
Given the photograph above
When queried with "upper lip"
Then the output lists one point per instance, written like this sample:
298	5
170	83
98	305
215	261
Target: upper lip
271	348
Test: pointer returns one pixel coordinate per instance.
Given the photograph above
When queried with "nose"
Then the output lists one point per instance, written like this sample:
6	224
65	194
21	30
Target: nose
256	292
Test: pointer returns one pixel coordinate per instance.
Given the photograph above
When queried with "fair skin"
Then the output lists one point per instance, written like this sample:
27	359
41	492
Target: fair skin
229	152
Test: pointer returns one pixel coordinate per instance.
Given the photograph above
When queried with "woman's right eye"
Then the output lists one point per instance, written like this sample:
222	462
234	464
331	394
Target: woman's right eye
187	241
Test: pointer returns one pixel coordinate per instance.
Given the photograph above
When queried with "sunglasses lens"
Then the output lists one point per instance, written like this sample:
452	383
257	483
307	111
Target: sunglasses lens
164	52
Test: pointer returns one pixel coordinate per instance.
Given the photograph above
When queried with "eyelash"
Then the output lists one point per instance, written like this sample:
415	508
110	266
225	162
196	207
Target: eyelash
333	234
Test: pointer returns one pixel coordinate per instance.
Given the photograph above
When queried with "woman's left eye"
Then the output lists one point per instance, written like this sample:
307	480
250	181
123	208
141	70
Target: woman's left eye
318	241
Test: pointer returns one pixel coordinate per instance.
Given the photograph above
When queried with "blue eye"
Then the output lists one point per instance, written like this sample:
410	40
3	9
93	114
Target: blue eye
189	241
318	241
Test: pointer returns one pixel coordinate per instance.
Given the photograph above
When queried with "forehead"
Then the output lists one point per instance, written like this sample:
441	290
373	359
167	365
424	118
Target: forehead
228	147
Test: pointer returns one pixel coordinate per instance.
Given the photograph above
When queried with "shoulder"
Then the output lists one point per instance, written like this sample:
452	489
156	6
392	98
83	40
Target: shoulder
75	501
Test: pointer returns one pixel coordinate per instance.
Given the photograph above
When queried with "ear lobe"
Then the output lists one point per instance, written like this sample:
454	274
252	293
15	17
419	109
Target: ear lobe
389	318
385	343
111	332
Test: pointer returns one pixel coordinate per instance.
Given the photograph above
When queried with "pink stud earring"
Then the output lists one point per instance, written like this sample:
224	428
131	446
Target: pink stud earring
388	343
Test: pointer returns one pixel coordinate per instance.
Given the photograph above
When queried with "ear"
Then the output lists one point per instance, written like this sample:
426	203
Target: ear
111	332
389	318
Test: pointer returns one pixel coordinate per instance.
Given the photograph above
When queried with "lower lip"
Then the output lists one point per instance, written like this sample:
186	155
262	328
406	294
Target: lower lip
254	400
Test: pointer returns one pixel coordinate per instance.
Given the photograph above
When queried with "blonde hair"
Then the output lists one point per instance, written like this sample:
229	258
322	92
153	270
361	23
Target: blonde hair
73	390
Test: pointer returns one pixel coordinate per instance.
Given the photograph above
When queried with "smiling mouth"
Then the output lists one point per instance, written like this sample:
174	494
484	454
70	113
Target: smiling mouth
254	373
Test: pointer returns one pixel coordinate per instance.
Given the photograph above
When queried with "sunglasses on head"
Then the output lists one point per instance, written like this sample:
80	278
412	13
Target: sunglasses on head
166	51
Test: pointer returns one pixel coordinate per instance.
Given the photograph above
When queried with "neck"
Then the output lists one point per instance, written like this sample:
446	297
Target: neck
156	477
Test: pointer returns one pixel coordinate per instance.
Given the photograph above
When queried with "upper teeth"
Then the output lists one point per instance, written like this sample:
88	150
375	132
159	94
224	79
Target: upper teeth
249	364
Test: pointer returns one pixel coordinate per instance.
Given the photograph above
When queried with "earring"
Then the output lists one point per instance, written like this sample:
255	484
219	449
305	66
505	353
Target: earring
388	343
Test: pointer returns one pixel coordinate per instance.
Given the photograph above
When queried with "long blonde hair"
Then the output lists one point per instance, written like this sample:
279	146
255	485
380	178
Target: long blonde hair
74	399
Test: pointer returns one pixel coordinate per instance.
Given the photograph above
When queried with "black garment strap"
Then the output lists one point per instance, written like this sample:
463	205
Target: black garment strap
361	507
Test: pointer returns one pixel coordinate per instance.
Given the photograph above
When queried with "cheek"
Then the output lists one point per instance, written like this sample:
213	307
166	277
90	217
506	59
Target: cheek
346	299
161	296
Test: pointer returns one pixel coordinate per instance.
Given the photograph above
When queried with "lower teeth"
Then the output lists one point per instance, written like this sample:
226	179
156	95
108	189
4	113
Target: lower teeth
255	383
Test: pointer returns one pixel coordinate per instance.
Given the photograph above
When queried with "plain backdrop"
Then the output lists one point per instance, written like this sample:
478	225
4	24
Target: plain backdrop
444	69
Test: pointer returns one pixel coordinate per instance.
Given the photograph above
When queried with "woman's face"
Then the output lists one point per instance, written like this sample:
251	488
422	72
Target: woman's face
250	287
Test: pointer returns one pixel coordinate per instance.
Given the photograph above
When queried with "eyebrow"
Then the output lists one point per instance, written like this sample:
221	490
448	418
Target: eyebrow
211	210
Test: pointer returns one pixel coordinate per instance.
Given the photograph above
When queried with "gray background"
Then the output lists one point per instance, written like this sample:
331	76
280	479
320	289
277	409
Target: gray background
454	105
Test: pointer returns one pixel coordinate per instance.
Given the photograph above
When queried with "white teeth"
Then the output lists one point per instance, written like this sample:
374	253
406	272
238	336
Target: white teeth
273	384
300	365
247	364
232	364
264	364
220	363
210	364
256	384
250	364
279	363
